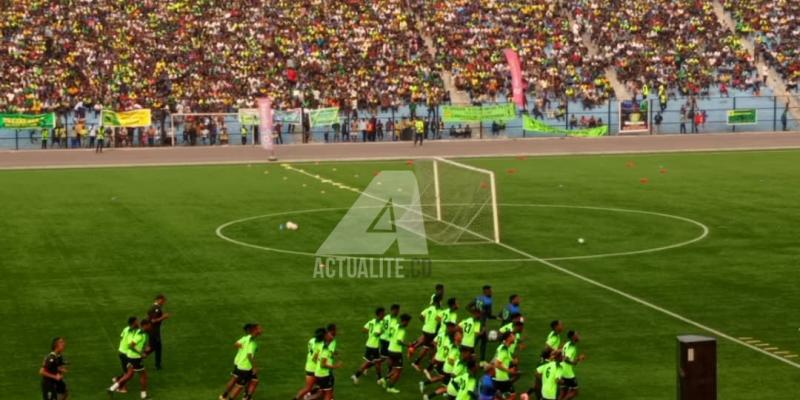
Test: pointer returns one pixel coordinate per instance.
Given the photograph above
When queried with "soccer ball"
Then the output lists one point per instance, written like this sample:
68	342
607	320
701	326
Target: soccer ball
492	335
581	241
291	226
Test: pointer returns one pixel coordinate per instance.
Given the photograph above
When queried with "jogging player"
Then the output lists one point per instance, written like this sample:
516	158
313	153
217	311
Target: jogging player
124	341
314	347
245	373
372	355
550	374
503	370
396	347
512	308
569	385
137	350
443	347
438	290
324	372
472	329
484	303
553	341
53	370
388	326
430	323
468	382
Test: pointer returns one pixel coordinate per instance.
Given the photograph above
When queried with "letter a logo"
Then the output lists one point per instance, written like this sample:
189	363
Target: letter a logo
387	212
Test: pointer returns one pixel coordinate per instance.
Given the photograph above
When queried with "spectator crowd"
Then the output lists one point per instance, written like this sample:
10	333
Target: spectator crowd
774	26
216	56
470	36
677	45
211	55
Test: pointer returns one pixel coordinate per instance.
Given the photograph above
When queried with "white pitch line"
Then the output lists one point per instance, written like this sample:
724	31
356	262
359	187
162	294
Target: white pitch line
388	158
611	289
703	235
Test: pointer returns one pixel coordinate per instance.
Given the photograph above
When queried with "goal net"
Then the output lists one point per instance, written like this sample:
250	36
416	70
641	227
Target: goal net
459	202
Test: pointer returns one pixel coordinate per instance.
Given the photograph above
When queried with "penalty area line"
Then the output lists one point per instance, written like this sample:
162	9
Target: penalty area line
578	276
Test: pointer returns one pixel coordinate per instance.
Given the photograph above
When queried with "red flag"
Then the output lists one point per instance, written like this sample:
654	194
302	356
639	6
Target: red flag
516	77
265	122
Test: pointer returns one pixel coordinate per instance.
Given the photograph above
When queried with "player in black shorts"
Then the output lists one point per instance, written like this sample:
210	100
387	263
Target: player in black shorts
157	315
386	323
372	354
52	372
396	347
138	349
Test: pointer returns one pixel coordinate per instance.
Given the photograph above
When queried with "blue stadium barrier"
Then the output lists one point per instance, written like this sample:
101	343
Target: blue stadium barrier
770	110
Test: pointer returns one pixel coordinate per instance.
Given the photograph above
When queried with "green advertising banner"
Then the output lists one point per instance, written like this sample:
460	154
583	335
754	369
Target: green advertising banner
534	125
500	112
286	117
248	116
743	117
27	121
324	116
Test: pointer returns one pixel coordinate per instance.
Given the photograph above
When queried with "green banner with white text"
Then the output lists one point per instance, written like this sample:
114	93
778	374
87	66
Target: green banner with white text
27	121
534	125
500	112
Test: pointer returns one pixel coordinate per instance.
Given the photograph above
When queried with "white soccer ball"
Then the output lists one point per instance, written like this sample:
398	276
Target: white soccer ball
291	226
581	241
493	335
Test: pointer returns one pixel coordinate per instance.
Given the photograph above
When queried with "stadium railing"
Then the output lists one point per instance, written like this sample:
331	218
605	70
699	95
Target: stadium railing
769	112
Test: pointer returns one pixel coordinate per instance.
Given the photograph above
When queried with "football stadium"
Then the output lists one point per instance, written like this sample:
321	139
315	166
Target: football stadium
400	199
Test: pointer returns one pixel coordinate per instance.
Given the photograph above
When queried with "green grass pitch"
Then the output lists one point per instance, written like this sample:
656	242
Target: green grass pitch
84	249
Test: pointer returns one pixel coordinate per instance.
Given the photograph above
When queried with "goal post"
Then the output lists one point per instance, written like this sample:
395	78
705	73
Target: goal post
460	200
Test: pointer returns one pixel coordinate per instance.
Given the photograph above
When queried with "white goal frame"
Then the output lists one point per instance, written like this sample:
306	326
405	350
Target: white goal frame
492	188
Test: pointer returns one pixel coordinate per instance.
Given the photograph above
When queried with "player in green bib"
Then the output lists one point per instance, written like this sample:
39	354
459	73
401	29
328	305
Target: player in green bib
324	372
136	348
245	373
504	371
550	375
313	348
396	347
569	383
389	324
472	329
517	326
124	341
372	356
454	366
438	365
430	324
448	315
468	382
553	341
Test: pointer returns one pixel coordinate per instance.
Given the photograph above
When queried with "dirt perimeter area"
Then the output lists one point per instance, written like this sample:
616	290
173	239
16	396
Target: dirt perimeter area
181	155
